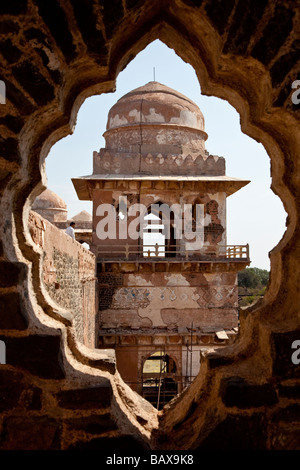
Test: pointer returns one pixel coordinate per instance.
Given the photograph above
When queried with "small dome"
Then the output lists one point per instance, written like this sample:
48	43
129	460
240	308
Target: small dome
157	119
155	103
49	200
82	216
50	206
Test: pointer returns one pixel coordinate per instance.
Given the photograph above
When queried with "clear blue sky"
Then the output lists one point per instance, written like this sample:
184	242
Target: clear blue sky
255	215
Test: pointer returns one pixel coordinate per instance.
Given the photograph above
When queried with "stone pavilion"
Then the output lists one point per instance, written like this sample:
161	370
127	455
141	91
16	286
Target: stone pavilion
162	300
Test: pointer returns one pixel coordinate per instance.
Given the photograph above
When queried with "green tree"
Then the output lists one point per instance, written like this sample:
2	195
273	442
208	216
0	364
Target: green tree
253	278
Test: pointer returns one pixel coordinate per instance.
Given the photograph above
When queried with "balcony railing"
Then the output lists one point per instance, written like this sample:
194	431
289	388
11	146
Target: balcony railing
174	252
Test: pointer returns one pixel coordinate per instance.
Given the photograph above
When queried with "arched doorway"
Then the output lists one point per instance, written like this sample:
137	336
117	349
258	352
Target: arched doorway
159	233
159	383
153	237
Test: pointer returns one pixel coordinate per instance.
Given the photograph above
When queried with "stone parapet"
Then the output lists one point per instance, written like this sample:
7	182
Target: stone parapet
109	161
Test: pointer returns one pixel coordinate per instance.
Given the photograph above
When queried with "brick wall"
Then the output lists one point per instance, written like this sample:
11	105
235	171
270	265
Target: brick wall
53	56
68	274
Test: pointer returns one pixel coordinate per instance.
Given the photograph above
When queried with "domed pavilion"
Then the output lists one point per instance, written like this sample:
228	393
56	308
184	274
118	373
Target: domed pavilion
50	206
54	209
168	284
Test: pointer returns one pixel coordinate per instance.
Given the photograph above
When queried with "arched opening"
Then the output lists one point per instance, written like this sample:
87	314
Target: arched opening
256	214
159	231
154	238
160	380
155	243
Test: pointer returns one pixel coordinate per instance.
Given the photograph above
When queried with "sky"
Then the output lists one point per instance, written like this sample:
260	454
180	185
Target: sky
255	215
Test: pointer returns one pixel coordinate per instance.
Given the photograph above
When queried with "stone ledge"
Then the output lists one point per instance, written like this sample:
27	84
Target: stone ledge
103	359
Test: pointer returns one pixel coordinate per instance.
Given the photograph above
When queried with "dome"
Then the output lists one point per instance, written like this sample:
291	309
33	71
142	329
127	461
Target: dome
49	200
82	216
154	114
50	206
155	103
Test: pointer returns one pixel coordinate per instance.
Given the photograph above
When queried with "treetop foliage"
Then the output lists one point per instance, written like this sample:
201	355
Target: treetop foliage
253	278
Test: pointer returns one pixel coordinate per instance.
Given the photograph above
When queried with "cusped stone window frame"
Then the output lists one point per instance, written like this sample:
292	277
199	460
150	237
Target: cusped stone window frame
245	83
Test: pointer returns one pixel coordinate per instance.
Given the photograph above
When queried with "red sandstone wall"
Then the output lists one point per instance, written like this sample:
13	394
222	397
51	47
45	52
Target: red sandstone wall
68	275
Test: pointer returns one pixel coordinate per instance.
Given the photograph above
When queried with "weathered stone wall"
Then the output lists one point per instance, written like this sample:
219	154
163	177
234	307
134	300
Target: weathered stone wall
68	272
170	301
53	56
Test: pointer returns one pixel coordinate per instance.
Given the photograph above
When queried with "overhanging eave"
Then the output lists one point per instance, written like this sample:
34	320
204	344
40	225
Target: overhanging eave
226	184
82	188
